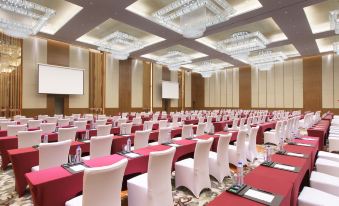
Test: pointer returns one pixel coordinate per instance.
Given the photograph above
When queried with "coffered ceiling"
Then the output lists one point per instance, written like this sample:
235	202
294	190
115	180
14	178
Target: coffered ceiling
295	27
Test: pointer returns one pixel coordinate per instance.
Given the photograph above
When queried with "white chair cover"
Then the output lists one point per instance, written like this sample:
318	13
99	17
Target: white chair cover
29	138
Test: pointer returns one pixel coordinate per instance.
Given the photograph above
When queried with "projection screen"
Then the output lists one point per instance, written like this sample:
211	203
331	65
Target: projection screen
170	90
60	80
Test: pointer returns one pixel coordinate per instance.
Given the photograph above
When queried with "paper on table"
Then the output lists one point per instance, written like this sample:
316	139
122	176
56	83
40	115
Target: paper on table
173	145
86	141
306	145
259	195
294	154
78	168
285	167
311	139
132	155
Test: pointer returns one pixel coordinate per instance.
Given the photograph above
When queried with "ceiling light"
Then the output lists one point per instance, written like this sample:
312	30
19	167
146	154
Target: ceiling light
336	47
174	59
207	74
206	68
240	44
120	45
194	16
334	21
266	59
28	20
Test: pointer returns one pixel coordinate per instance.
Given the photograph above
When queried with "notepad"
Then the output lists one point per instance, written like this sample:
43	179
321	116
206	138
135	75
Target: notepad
284	167
259	195
132	155
77	168
306	145
294	154
306	138
173	145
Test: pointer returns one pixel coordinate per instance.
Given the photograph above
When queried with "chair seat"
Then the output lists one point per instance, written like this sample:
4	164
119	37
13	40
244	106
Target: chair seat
85	158
313	197
35	168
188	163
77	201
212	155
327	166
328	155
140	181
325	182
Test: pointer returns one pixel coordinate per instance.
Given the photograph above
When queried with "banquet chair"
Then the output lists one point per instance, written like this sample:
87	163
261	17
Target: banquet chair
218	161
24	120
17	117
126	128
121	121
52	120
99	146
148	125
29	138
42	117
102	116
137	121
59	116
63	122
4	124
235	124
154	187
328	155
67	134
52	154
103	130
89	117
200	129
194	173
313	197
163	136
325	182
251	144
238	153
34	124
274	136
81	125
76	116
327	166
163	124
201	120
186	132
101	186
100	122
47	127
141	139
13	130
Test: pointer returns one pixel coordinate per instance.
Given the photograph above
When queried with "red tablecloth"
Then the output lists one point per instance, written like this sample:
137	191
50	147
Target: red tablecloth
262	128
3	133
219	126
319	130
25	158
45	184
258	181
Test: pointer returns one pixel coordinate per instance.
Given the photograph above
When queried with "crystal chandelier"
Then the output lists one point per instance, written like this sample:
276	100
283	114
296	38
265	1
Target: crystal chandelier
334	21
120	45
336	47
266	59
194	16
174	59
206	74
240	44
207	68
29	17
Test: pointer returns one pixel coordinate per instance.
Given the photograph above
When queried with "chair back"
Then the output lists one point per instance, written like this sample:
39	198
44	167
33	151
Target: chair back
42	117
201	129
242	123
63	122
141	139
201	120
67	134
137	121
164	135
201	152
121	121
241	149
33	124
100	146
148	125
126	128
235	123
222	148
163	124
13	130
52	120
4	124
53	154
252	144
24	120
47	127
81	125
187	131
103	130
159	171
59	116
29	138
100	122
108	179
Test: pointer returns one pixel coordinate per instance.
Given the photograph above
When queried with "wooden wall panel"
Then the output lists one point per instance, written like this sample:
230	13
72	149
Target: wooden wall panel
229	82
156	84
147	86
262	75
235	85
254	88
288	84
187	86
125	85
166	76
207	92
111	82
96	82
137	82
223	92
245	88
174	78
312	76
198	91
212	91
298	83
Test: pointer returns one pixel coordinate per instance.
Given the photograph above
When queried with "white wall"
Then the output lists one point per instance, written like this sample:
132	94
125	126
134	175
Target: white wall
112	82
137	84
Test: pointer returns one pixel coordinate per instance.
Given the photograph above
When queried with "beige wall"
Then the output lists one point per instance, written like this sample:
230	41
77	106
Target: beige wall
34	52
79	58
137	83
222	89
330	81
280	87
188	98
112	82
174	78
157	80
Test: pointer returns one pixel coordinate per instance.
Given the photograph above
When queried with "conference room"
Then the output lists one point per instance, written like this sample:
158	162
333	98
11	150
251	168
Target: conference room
169	102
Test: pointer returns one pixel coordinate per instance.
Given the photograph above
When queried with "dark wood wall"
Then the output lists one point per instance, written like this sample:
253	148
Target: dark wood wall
198	91
245	88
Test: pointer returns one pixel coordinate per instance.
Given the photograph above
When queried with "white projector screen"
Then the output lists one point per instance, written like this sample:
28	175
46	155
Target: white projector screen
170	90
60	80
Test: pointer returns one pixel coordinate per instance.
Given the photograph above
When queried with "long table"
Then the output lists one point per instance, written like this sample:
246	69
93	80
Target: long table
320	130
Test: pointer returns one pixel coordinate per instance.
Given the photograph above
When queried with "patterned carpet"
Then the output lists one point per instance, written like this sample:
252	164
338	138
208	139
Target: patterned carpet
182	196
